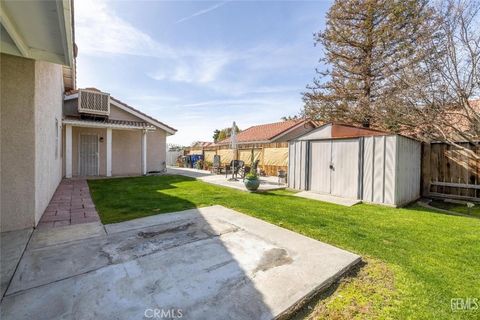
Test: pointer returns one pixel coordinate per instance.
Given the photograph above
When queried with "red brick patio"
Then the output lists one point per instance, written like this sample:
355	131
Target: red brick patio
71	204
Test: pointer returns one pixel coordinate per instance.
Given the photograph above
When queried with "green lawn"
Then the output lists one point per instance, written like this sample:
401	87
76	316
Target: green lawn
417	260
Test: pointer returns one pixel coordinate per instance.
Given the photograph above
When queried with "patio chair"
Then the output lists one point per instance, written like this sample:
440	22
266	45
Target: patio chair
282	176
235	165
217	165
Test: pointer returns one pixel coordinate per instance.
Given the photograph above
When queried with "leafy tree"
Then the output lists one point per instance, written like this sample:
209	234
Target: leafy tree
216	133
287	118
222	134
441	102
366	43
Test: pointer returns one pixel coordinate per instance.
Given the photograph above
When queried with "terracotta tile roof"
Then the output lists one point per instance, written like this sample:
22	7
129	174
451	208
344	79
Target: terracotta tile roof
456	120
264	132
70	92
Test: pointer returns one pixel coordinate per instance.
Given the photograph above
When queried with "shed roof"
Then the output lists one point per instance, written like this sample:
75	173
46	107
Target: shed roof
340	130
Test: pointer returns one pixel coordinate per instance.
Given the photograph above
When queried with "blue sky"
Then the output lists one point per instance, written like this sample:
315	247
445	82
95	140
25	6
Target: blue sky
198	66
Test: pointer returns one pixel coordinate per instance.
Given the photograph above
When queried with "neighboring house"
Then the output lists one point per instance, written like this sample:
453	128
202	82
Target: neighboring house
356	163
272	132
106	137
267	141
37	68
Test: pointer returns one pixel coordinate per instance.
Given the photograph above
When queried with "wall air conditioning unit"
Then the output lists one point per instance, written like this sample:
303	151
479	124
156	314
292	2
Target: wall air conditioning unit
93	102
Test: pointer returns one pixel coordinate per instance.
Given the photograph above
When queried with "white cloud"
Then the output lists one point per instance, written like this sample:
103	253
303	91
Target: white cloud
201	69
202	12
99	31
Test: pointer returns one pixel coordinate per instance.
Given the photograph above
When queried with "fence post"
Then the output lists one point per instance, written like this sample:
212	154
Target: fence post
426	172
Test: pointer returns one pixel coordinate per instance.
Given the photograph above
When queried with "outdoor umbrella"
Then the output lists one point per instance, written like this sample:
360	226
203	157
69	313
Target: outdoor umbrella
233	145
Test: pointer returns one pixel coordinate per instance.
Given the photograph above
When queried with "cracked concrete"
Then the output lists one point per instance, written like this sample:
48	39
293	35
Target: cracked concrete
210	263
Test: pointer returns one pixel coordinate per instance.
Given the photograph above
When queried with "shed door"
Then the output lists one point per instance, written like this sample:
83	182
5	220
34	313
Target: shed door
344	171
320	157
334	167
88	155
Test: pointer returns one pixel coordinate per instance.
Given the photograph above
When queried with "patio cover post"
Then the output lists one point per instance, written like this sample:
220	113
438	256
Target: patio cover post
68	151
109	152
233	144
144	152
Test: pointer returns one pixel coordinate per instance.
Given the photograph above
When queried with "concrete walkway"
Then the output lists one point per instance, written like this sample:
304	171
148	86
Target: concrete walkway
71	204
13	244
208	263
328	198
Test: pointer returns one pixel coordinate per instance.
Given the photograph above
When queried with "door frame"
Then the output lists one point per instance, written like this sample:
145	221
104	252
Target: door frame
98	151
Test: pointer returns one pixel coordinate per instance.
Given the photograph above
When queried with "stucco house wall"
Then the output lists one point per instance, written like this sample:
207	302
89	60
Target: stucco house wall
48	137
126	152
31	168
17	77
156	150
119	114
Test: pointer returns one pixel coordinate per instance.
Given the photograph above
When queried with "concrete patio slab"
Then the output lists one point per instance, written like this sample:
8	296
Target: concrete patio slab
13	244
327	198
221	180
189	172
44	237
207	263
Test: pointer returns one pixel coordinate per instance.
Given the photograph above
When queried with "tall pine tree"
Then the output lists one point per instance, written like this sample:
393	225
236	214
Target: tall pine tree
366	43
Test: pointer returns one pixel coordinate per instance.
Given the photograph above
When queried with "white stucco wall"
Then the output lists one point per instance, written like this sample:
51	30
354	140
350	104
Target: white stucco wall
119	114
17	143
156	150
126	152
31	99
48	108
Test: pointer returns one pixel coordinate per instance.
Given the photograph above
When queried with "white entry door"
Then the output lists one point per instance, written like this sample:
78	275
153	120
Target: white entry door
88	155
334	167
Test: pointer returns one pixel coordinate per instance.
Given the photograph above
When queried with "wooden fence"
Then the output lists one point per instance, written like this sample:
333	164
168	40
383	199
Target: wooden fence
449	171
265	152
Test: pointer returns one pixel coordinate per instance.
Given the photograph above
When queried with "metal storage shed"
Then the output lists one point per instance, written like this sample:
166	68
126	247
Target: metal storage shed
356	163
